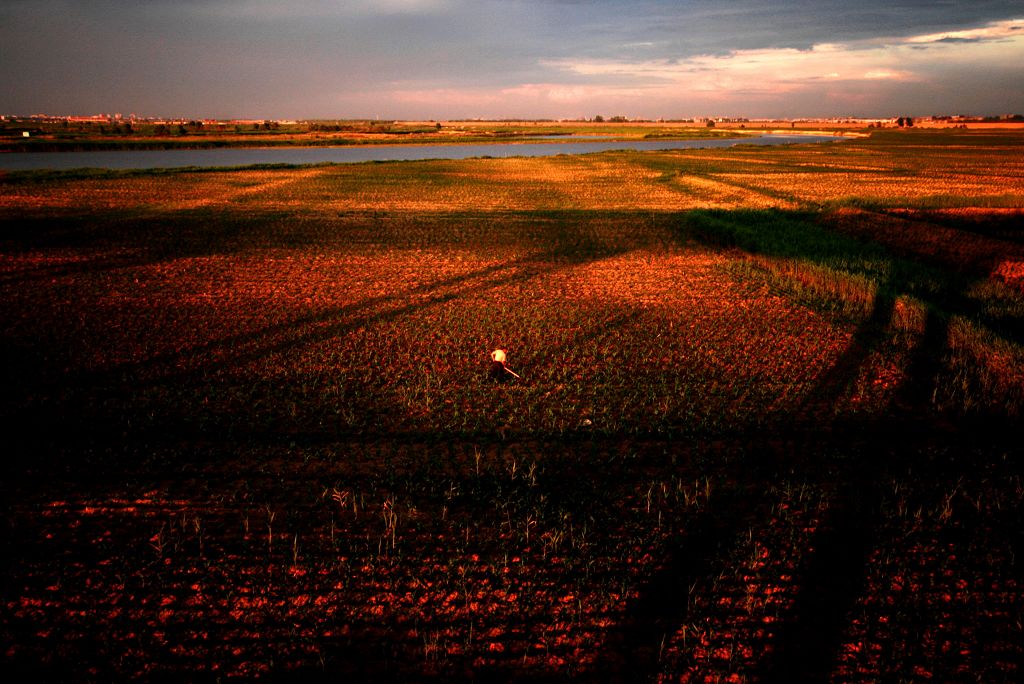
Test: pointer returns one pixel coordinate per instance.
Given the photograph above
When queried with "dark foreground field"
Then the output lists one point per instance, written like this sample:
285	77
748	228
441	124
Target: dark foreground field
766	428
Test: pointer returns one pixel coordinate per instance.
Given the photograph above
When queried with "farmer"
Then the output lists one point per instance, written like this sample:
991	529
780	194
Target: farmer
499	372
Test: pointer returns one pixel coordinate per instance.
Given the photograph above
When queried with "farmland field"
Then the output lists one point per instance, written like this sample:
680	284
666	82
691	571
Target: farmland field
765	430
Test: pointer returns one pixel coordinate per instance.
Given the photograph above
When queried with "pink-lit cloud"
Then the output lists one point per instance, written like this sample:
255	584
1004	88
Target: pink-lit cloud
775	73
1012	28
868	73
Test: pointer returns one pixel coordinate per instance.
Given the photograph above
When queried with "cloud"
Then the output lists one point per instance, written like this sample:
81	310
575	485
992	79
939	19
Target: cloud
999	30
330	58
887	75
571	93
785	70
299	9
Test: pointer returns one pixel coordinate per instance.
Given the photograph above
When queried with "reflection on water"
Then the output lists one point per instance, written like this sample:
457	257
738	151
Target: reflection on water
146	159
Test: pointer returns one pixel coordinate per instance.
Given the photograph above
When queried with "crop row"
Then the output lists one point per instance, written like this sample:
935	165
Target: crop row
693	563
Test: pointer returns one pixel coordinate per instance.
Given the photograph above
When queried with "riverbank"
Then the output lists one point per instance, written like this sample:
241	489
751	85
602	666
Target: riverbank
234	157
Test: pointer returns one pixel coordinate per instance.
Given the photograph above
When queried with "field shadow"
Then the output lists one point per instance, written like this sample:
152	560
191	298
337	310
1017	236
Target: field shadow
632	651
808	643
116	241
829	582
820	241
570	247
973	241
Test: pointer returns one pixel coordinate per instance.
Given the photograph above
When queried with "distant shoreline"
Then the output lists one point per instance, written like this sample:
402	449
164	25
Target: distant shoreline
125	137
27	136
95	137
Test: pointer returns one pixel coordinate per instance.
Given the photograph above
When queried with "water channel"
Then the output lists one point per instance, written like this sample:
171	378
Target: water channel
247	156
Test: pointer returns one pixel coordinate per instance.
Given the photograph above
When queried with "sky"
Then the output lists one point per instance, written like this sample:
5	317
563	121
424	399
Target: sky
446	59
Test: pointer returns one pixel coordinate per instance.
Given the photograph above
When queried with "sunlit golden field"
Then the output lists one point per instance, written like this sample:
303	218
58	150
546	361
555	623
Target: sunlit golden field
985	173
764	429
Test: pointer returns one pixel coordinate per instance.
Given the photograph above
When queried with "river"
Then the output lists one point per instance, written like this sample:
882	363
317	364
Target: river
247	156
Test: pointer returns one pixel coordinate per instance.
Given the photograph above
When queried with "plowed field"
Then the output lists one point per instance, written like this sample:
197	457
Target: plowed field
764	429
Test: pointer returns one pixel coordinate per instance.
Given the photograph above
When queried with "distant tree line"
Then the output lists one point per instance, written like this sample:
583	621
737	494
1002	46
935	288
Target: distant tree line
163	129
351	126
901	122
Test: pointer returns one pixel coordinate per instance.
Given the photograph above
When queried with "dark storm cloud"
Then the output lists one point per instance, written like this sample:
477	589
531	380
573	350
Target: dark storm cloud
716	26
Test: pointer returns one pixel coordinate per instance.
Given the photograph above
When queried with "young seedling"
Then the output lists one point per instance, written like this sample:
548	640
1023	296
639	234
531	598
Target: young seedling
270	528
159	541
